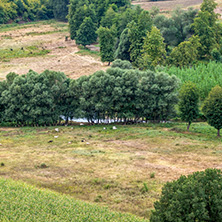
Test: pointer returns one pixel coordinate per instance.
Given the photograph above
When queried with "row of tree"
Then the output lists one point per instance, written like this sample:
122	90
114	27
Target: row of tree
30	10
211	107
118	94
147	38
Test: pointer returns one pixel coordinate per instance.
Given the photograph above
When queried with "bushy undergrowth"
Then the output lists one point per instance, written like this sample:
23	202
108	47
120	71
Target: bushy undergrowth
21	202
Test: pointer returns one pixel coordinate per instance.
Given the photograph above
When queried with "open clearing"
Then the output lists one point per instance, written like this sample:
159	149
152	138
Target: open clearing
106	166
168	5
64	55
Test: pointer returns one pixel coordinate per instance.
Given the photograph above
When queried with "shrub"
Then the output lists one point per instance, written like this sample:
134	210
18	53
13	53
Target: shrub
212	108
122	64
188	104
197	197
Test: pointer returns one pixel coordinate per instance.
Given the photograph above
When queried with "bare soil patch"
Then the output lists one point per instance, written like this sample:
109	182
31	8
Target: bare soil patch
62	56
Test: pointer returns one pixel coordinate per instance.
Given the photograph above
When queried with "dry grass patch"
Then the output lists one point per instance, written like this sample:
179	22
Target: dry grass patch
168	5
123	169
63	54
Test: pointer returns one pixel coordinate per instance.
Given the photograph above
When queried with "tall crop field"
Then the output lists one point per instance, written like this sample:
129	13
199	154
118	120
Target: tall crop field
205	76
22	202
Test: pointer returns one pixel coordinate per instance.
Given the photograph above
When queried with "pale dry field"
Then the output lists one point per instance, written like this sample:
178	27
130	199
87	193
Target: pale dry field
63	54
109	167
167	5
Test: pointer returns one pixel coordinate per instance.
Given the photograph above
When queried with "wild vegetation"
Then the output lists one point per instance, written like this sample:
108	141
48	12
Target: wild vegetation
124	95
164	68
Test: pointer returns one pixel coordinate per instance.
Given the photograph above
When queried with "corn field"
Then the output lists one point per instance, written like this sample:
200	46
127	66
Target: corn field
205	76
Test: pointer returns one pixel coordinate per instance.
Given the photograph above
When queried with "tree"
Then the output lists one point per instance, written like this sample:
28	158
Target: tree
157	95
122	52
60	9
178	27
78	11
188	103
109	19
137	32
206	28
197	197
153	52
86	34
186	53
107	43
212	108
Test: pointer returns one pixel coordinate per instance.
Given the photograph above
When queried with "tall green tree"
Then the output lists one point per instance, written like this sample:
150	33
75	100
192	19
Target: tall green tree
107	39
86	34
206	28
122	51
60	9
137	32
186	53
176	28
188	103
110	18
212	108
78	11
153	52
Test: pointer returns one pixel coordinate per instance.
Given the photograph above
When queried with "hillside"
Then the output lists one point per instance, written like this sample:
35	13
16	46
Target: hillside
21	202
62	55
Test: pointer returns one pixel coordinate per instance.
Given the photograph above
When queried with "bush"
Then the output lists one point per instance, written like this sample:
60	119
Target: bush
122	64
188	105
212	108
197	197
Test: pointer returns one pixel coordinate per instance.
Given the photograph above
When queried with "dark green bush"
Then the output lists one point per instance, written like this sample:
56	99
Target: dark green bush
197	197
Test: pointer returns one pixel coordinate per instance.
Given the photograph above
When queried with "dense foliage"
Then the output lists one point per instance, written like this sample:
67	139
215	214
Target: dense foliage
22	202
182	39
197	197
188	103
25	10
212	108
121	94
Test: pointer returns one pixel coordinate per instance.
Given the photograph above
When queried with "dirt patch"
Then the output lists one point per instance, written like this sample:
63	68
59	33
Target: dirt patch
62	56
168	5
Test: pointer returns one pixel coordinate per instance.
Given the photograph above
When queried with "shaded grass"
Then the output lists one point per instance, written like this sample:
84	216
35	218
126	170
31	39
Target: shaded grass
30	51
84	52
16	26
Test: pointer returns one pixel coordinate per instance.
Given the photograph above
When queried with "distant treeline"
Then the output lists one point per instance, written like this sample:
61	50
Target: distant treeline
121	94
31	10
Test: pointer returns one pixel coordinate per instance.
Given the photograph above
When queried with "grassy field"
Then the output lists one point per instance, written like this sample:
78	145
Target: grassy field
20	202
123	169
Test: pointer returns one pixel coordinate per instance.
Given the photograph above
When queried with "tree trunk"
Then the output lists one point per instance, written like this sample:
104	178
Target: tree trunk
109	64
188	127
218	132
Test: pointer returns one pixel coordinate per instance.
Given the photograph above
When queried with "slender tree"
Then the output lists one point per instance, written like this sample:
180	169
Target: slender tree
107	43
188	103
153	52
212	108
122	52
86	34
